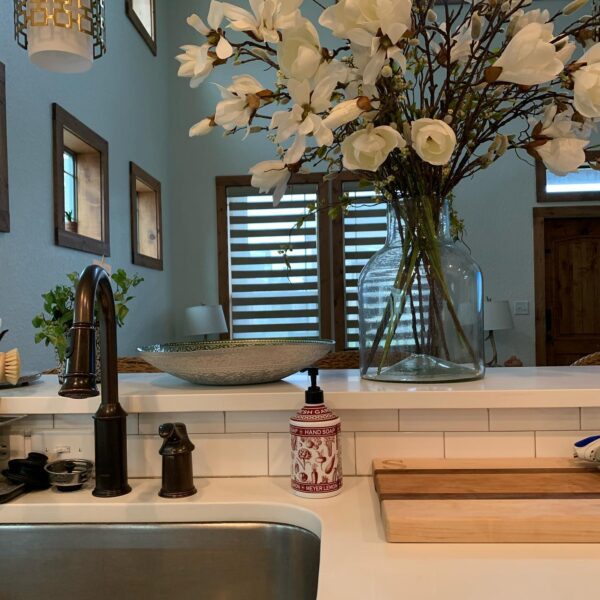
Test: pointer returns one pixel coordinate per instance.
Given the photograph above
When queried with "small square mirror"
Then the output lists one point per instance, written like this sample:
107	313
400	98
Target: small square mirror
142	13
80	185
146	219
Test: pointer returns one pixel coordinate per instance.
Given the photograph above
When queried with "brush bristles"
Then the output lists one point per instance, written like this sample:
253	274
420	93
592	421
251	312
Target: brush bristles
12	367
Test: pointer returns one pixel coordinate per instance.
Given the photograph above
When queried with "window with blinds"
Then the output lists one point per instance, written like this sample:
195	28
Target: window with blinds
266	297
365	227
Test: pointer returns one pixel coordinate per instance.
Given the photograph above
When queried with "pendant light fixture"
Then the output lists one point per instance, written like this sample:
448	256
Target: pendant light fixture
64	36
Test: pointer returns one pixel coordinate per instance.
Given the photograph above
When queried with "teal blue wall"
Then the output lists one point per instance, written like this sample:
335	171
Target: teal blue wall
125	100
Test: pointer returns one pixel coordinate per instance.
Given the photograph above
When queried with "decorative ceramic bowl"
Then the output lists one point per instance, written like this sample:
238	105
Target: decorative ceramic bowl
236	362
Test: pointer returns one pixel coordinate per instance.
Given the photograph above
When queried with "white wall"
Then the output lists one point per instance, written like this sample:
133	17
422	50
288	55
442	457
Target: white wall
125	100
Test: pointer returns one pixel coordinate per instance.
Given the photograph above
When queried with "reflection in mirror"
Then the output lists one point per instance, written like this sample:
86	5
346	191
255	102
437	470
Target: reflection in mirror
80	185
4	214
142	14
146	219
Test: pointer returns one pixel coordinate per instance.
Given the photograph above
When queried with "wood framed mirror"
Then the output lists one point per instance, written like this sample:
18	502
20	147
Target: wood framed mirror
80	185
146	219
142	13
4	211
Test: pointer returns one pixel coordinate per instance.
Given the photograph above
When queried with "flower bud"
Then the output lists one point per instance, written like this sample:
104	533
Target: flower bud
475	26
431	15
574	6
387	71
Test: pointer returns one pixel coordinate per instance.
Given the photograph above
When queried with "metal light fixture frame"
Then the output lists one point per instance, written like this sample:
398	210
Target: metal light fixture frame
73	14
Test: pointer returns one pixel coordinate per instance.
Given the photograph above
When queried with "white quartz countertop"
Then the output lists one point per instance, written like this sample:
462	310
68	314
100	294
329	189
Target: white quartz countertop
526	387
356	562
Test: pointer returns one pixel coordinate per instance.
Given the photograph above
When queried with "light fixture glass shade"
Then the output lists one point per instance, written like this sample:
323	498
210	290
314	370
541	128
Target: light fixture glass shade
204	320
64	36
60	49
496	315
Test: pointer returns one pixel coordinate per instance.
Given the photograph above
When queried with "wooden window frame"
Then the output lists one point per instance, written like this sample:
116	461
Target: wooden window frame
4	205
139	26
63	120
323	248
540	185
539	265
136	173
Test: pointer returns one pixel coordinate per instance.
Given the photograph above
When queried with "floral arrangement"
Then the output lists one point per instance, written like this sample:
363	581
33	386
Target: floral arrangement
416	96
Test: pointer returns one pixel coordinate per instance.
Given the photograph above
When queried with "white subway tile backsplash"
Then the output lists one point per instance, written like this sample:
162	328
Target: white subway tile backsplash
368	420
236	454
269	421
444	419
558	443
489	444
279	454
215	455
536	419
590	418
87	422
32	423
78	443
195	422
395	445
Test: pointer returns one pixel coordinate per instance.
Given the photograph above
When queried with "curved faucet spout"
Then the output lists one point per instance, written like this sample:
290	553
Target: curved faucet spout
80	377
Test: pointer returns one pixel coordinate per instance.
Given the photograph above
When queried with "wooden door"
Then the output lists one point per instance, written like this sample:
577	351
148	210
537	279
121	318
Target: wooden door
568	320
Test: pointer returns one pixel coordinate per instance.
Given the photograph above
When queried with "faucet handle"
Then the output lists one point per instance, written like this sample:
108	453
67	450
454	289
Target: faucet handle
176	440
176	452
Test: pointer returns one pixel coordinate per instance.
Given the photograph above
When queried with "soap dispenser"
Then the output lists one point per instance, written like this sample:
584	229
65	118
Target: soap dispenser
176	452
316	452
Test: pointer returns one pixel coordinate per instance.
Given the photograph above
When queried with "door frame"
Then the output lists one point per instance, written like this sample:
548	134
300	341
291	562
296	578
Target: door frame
540	215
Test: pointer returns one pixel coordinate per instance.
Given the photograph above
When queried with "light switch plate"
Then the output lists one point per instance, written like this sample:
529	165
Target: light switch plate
521	307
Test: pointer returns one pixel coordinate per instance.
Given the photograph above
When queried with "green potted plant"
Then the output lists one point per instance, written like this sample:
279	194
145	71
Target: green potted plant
56	319
70	222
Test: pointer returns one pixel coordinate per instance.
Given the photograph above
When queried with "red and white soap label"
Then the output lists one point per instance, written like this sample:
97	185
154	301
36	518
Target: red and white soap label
316	459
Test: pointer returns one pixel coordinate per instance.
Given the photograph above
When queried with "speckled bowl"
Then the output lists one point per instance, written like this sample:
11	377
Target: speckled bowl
236	362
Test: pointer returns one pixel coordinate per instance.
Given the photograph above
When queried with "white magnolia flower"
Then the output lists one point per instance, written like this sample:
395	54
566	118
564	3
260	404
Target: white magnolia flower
587	84
564	152
521	19
530	58
267	18
239	103
215	17
348	18
377	25
303	119
433	140
202	127
367	149
196	63
271	175
299	52
346	112
563	155
461	44
560	124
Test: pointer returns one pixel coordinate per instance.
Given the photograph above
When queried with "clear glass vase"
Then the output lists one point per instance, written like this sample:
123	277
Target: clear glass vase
420	302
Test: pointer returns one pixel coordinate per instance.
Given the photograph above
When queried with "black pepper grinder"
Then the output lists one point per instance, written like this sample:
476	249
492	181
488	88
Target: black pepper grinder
176	452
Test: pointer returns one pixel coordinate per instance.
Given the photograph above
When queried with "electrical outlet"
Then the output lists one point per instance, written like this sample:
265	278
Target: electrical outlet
521	308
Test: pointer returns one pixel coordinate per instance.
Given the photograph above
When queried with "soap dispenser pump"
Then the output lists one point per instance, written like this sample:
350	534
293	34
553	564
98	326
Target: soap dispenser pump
316	452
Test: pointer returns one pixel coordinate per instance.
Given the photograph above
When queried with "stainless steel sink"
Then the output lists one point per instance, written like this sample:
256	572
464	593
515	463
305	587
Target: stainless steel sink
212	561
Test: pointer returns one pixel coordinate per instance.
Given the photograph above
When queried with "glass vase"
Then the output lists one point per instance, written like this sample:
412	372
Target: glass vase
420	302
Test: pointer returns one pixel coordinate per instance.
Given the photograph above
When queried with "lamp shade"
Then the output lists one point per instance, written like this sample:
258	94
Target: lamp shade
204	320
496	315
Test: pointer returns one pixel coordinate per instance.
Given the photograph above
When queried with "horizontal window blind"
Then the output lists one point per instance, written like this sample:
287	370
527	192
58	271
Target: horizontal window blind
365	229
268	299
365	226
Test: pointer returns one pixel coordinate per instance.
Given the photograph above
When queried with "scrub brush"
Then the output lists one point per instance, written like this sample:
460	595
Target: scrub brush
10	366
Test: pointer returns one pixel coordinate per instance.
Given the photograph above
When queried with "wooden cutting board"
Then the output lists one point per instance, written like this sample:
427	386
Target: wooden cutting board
488	500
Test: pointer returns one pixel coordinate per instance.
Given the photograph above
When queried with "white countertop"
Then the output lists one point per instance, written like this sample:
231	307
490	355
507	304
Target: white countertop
356	562
526	387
